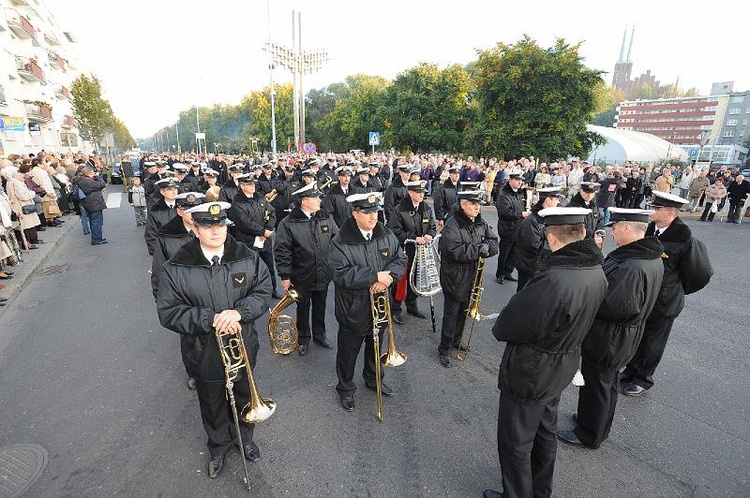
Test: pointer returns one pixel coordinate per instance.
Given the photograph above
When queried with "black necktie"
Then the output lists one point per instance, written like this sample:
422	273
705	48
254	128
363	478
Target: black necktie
215	261
368	237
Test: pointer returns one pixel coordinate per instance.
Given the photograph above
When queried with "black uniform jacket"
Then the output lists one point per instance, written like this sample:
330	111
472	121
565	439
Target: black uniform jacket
149	184
686	266
393	195
159	215
188	184
444	199
252	216
302	249
459	244
358	188
592	219
634	274
355	263
170	237
532	245
335	203
509	206
229	190
191	292
545	323
408	223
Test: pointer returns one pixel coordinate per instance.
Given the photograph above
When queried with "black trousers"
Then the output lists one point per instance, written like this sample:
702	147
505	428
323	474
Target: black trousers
349	345
506	257
734	210
527	446
318	301
217	413
597	400
267	257
454	320
523	278
648	355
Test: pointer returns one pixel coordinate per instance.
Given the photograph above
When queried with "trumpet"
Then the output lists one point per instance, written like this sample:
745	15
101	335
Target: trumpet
472	312
234	357
380	306
272	195
282	329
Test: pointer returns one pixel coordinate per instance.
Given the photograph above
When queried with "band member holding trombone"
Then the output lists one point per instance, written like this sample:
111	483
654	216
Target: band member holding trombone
412	219
465	239
365	258
543	349
303	243
213	284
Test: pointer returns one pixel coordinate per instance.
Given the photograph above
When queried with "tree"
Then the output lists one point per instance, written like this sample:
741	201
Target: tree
257	105
534	101
93	113
123	138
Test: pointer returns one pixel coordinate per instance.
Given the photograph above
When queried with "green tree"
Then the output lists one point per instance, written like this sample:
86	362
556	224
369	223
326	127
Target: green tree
257	106
534	101
91	110
123	138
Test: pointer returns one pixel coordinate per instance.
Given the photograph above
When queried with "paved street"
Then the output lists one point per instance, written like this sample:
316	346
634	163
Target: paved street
88	374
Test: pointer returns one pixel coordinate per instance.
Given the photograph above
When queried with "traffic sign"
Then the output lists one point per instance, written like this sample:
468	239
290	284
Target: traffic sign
310	148
693	152
374	138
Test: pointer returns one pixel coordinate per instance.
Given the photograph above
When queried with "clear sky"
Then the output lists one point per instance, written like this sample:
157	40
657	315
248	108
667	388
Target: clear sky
157	57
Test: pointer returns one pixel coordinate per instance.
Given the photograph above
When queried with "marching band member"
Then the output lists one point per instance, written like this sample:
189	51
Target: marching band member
161	212
185	182
254	220
412	219
634	272
285	186
445	195
466	237
215	283
211	184
542	351
397	189
532	245
364	182
510	214
303	244
335	203
586	198
231	187
365	257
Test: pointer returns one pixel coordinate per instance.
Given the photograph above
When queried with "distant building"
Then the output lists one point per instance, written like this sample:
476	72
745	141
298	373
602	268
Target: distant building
624	68
39	65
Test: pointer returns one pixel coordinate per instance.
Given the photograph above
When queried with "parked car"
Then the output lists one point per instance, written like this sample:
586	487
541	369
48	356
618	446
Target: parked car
116	176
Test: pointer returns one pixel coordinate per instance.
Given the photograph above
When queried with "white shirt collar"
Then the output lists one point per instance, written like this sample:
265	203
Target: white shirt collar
210	255
364	233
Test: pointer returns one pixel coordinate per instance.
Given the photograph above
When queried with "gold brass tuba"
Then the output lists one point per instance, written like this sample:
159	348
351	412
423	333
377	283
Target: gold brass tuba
234	357
380	306
282	329
472	312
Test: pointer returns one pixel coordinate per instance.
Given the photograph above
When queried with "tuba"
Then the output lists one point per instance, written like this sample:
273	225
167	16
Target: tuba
424	276
472	312
380	305
234	356
282	329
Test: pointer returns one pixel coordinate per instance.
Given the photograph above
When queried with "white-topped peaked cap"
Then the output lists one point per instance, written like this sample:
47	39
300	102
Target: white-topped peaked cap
564	215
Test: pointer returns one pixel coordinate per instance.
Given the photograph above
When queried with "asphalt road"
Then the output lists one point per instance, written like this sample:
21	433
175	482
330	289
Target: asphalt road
88	373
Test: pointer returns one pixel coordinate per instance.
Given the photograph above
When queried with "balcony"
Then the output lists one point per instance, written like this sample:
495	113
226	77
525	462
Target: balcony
62	92
19	2
51	39
68	122
56	61
39	113
21	26
29	70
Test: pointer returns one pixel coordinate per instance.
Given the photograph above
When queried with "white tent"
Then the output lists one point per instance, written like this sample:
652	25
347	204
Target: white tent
627	145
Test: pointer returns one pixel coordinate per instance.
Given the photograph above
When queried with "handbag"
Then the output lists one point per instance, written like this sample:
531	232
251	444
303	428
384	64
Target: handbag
28	208
715	207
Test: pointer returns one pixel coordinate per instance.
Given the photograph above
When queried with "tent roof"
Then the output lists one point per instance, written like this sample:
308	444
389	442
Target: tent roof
627	145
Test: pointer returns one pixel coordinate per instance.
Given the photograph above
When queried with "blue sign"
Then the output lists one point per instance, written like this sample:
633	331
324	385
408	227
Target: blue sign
374	138
693	152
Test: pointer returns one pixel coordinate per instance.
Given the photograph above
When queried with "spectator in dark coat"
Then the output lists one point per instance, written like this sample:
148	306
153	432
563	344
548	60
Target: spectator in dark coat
94	203
737	191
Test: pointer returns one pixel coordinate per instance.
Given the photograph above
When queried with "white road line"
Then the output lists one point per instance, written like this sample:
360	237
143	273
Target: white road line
113	200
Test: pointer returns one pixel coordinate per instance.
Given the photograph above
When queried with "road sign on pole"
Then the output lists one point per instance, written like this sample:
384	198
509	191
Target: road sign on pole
374	139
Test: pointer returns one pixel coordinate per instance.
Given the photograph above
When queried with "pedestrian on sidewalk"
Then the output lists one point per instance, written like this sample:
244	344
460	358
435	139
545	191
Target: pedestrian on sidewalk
137	199
94	203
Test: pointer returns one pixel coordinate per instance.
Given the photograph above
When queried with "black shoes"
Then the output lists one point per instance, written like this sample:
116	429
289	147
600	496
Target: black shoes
445	361
416	312
5	276
397	319
634	390
511	278
191	383
384	389
347	401
569	437
302	349
252	452
99	243
214	466
40	229
324	342
491	493
500	280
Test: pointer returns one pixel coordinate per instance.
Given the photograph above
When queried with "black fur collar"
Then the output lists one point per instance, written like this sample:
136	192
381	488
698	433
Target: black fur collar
241	197
173	228
297	215
464	221
337	190
645	248
583	253
677	231
191	255
449	184
161	204
509	191
577	201
407	205
350	234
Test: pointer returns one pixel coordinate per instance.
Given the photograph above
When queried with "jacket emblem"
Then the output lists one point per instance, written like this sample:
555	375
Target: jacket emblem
324	228
425	220
384	253
238	279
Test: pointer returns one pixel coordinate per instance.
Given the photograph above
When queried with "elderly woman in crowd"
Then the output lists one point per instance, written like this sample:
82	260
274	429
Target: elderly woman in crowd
22	202
543	178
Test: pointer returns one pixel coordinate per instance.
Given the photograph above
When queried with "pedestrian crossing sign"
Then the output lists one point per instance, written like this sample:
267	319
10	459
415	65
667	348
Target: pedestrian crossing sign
374	138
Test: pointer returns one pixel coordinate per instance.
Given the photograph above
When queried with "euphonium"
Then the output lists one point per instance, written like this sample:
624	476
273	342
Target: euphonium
326	183
234	356
472	312
282	329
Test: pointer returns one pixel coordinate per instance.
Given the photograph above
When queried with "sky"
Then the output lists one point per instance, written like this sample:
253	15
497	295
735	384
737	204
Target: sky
156	58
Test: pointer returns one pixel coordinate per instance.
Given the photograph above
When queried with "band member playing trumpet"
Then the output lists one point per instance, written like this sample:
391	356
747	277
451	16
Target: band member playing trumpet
412	219
466	237
365	258
213	283
303	243
542	351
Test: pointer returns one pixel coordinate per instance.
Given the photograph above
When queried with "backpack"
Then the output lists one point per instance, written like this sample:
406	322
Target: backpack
76	194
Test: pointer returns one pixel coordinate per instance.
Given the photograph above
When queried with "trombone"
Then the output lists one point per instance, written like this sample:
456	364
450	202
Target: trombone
234	357
472	312
380	306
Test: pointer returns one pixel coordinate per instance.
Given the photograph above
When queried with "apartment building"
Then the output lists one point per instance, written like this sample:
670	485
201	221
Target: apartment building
38	64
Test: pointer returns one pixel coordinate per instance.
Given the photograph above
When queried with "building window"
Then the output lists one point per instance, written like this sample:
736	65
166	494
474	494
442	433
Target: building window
734	110
732	122
738	98
3	101
729	134
744	122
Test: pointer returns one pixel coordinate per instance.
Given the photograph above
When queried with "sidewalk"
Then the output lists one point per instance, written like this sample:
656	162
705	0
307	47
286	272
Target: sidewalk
35	260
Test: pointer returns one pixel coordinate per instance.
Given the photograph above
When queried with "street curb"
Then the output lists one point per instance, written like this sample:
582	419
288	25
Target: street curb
26	270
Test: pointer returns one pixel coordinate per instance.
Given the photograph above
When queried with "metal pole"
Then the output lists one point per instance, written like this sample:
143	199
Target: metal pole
302	63
271	64
198	123
177	131
295	75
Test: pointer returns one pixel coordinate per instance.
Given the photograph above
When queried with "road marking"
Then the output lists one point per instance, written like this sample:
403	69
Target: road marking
113	200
